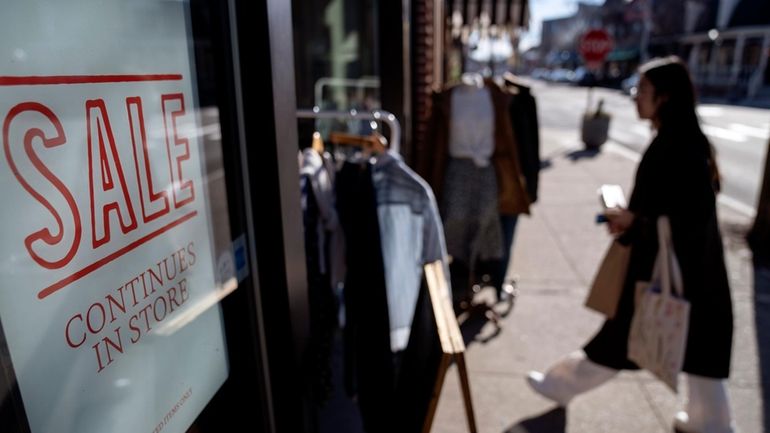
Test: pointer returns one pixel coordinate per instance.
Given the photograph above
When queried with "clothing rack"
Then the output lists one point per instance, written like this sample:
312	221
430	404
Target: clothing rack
394	141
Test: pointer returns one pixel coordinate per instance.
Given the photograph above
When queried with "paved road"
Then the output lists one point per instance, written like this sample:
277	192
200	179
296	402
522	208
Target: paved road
739	134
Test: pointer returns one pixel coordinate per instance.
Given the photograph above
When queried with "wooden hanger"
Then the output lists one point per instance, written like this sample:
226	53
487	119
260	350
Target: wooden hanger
318	143
371	143
511	78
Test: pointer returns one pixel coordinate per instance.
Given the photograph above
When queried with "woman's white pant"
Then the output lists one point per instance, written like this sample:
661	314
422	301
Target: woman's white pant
707	409
573	375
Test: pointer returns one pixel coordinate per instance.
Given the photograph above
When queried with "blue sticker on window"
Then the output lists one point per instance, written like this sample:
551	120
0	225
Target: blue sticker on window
241	257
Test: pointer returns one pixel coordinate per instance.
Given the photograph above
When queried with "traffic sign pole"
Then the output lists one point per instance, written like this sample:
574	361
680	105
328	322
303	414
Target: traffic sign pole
594	47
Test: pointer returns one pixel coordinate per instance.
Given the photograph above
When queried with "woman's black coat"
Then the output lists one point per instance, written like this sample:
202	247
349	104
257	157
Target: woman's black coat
674	179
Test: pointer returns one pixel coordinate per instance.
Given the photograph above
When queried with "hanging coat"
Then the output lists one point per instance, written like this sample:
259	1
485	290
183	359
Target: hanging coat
674	179
433	160
523	113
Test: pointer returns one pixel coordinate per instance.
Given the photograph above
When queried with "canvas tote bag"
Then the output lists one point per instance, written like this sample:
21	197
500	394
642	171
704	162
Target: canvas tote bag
609	280
658	335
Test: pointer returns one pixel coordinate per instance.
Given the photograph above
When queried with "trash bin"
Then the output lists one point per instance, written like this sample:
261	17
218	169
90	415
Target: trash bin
595	128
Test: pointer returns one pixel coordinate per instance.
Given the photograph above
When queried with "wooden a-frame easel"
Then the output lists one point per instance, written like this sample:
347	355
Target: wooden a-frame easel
452	344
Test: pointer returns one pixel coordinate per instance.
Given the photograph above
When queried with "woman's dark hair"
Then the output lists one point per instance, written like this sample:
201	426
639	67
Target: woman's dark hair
671	81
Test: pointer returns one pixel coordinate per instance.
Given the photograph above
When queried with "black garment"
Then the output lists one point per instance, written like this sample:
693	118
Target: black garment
523	113
673	179
419	367
759	236
369	369
323	309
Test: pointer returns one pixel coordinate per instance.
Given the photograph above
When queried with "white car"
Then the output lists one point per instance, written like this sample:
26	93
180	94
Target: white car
630	84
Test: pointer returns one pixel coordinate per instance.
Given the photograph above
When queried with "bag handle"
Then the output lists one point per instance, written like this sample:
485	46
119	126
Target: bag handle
666	262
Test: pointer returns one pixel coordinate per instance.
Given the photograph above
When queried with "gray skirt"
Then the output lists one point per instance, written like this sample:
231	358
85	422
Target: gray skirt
470	213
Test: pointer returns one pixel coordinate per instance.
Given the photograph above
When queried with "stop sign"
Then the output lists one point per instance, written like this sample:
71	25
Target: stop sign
595	45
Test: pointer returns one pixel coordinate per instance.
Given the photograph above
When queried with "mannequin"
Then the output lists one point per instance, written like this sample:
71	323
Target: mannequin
469	161
469	207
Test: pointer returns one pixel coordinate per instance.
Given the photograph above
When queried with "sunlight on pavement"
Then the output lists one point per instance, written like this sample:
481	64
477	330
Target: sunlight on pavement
717	132
762	133
710	111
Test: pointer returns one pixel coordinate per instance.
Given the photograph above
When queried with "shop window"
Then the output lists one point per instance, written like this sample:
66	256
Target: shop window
336	55
118	234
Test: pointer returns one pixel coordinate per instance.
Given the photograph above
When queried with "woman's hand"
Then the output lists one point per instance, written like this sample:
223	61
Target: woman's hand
618	220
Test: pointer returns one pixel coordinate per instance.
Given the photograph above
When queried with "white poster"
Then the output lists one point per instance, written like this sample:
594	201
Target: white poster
106	270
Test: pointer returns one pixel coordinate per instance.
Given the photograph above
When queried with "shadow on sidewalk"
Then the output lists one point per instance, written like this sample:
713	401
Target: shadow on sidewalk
474	318
576	155
473	322
553	421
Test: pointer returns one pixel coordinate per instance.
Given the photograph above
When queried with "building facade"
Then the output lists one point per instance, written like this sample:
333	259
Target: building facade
726	43
728	48
559	43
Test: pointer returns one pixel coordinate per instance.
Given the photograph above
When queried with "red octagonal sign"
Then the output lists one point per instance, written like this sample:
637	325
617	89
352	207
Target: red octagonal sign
595	45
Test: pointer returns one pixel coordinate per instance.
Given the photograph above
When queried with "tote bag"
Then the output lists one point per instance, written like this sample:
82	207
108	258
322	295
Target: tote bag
658	336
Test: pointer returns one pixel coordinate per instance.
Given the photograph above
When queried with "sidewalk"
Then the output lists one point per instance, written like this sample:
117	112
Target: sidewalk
556	252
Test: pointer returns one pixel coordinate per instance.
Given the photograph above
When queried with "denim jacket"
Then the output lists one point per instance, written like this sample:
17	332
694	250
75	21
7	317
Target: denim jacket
412	236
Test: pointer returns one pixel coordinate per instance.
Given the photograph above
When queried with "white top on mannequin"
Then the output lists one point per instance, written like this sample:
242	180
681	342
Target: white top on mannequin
471	132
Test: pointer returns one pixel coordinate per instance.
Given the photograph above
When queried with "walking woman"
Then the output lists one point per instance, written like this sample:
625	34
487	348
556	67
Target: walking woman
676	177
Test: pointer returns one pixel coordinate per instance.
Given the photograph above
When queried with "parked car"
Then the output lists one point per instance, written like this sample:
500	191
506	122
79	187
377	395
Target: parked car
560	75
630	84
540	73
583	77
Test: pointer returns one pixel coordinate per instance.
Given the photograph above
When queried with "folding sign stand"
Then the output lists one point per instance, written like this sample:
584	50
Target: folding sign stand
452	344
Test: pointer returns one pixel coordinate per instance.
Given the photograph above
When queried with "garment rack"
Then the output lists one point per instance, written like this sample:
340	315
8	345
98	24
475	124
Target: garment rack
394	141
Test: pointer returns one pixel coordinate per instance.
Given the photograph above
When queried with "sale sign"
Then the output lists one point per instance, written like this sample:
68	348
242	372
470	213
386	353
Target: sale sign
108	293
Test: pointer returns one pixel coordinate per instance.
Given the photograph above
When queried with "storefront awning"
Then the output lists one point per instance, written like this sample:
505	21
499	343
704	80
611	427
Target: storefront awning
509	13
622	54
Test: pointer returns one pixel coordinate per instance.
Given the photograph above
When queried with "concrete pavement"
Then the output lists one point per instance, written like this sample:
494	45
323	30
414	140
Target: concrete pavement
556	252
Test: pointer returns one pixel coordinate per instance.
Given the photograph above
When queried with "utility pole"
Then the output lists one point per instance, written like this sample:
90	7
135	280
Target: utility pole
644	42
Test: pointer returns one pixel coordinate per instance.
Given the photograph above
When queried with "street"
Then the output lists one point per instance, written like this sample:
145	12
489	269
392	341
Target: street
739	134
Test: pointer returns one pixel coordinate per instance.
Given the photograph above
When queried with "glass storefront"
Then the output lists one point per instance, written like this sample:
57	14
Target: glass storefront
336	54
130	296
337	62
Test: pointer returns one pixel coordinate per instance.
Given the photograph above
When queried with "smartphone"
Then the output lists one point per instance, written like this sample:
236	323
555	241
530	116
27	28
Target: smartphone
612	196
